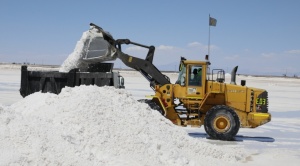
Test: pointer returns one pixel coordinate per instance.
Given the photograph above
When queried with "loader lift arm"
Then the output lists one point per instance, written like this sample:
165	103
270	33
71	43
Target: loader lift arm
144	66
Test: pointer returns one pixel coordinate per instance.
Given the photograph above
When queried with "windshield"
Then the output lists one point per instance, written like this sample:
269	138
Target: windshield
181	75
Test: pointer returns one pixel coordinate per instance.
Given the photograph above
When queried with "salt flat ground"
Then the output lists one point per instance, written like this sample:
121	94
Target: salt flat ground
276	143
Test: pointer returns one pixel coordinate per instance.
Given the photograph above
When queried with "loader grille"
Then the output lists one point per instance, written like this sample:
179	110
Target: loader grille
262	102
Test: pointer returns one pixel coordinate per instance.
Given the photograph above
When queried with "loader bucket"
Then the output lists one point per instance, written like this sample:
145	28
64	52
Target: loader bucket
97	48
93	47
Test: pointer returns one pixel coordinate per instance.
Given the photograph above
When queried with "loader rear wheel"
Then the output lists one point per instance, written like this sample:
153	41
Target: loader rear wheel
222	123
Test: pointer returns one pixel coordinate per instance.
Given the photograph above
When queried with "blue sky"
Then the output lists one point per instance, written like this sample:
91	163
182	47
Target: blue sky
261	37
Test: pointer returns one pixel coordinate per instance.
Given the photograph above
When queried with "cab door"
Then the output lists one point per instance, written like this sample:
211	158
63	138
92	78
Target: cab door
195	81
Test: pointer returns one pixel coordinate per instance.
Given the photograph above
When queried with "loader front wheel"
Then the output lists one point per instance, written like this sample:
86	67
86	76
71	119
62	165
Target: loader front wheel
221	122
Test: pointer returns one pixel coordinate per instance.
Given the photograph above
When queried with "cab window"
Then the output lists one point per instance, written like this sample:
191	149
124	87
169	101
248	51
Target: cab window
195	75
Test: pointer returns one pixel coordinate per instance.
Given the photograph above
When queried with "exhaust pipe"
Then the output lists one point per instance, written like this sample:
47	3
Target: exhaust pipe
233	75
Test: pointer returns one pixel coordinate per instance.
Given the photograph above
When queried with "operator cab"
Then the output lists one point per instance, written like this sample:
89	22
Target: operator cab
192	78
191	73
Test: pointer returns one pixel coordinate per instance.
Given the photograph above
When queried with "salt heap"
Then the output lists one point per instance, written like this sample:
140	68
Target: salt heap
91	125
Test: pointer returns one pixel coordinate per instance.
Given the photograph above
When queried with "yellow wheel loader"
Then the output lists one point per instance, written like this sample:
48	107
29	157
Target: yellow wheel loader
198	97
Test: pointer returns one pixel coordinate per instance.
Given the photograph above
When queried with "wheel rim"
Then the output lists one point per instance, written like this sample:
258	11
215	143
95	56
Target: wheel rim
221	124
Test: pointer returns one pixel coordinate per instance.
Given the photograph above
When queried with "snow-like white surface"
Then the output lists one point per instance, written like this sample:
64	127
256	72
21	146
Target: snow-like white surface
105	126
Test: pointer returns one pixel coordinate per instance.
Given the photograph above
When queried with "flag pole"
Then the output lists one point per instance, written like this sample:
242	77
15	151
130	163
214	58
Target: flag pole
211	22
208	52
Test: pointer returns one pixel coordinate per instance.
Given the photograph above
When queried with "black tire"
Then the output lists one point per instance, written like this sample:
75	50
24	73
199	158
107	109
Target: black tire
221	122
152	105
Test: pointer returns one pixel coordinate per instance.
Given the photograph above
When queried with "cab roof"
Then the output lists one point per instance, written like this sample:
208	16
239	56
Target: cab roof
196	62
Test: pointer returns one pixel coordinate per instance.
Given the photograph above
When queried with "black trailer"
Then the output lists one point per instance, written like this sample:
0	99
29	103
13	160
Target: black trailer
99	74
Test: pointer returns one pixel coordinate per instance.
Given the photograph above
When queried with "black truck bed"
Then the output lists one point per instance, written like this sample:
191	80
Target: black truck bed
54	81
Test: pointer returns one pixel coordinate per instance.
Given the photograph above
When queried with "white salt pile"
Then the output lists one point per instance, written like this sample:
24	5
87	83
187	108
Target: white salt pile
91	125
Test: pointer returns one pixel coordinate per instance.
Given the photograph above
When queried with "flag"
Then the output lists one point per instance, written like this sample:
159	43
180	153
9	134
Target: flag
212	21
